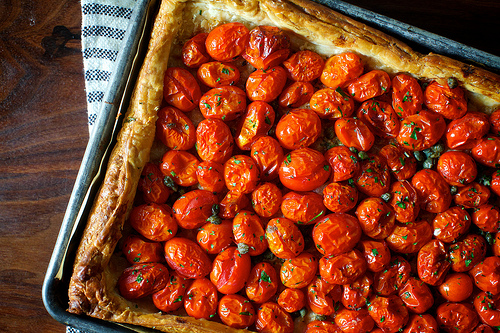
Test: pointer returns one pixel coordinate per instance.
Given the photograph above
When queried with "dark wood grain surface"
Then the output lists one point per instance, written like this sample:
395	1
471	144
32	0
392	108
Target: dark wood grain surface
43	128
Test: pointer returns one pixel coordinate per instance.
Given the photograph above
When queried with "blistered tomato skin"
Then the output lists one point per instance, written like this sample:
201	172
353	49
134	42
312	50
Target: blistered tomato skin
225	103
374	178
216	74
343	162
486	275
483	328
304	66
266	85
284	238
486	306
268	154
451	224
487	218
456	317
463	133
354	321
472	195
448	102
296	95
401	162
236	311
154	221
340	197
142	280
457	168
230	270
291	300
487	151
495	182
357	293
343	268
376	218
194	52
272	318
409	237
227	41
181	89
201	299
256	122
369	85
432	262
377	254
391	279
299	271
187	258
210	176
416	295
466	253
389	313
407	95
331	103
174	129
494	120
232	203
432	190
421	323
322	296
457	287
303	208
214	141
354	133
266	199
248	229
380	117
304	169
151	185
193	209
267	47
421	131
336	233
137	249
404	201
340	69
214	238
299	128
180	166
171	297
262	283
241	174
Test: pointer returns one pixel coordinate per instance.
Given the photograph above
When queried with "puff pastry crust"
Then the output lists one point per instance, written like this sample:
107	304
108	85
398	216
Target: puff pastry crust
311	26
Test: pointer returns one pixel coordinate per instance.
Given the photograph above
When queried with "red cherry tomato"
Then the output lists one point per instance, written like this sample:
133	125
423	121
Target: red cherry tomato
193	209
422	323
296	95
230	270
457	168
467	252
421	131
266	85
187	258
227	41
340	69
353	132
303	208
451	224
463	133
225	103
248	229
322	296
487	218
487	151
401	162
272	318
433	262
389	313
304	66
472	196
201	299
142	280
175	129
357	293
483	328
457	287
336	233
340	197
232	203
322	326
343	268
236	311
404	201
137	249
284	238
354	321
407	95
256	122
369	85
390	280
210	176
214	238
180	166
181	89
299	128
292	300
331	103
262	283
266	199
343	162
268	154
214	141
216	74
304	169
300	271
416	295
448	102
495	182
267	47
194	52
151	185
432	190
154	221
380	117
376	253
494	120
456	317
374	178
241	174
486	306
409	237
171	297
376	218
486	275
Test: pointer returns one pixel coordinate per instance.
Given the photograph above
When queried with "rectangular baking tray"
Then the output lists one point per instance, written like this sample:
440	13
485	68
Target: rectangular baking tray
55	286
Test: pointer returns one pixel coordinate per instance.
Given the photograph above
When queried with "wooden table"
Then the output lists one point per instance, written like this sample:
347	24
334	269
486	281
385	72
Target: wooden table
43	128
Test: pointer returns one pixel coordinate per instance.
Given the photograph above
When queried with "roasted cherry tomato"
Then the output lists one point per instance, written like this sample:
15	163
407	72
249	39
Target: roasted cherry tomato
409	237
343	268
472	196
407	95
495	182
322	326
374	178
369	85
457	287
353	132
340	197
256	122
451	224
216	74
304	169
210	176
232	203
268	154
299	128
193	209
303	208
416	295
376	253
266	85
262	283
357	293
404	201
227	41
380	117
376	218
487	151
214	238
272	318
296	95
487	218
266	199
267	47
142	280
331	103
284	238
187	258
354	321
236	311
214	141
224	103
181	89
401	162
151	185
463	133
390	280
299	271
292	300
138	249
180	166
194	52
336	233
175	129
449	102
343	162
201	299
322	296
230	270
433	262
241	174
486	306
421	131
304	66
494	121
483	328
248	229
389	313
340	69
154	221
421	323
467	252
457	168
171	297
456	317
432	190
486	275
